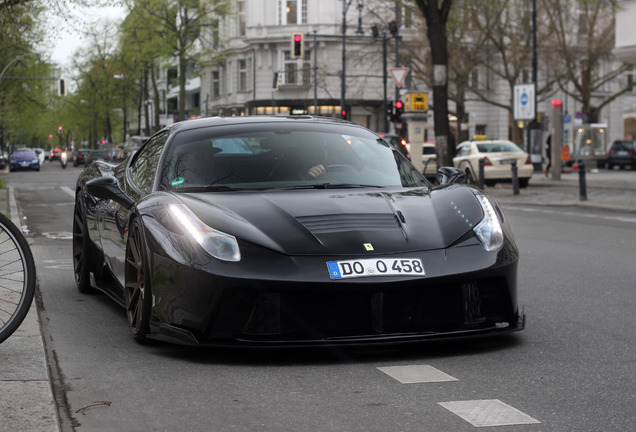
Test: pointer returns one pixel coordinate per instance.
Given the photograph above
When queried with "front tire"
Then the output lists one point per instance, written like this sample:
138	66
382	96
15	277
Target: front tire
81	249
137	274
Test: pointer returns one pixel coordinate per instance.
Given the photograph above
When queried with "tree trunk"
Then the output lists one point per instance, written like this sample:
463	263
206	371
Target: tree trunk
182	85
436	18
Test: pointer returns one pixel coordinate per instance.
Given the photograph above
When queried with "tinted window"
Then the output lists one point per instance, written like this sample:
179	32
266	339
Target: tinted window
270	155
498	147
144	166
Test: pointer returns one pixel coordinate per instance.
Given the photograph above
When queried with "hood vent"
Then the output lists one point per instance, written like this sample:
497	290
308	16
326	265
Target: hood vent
327	224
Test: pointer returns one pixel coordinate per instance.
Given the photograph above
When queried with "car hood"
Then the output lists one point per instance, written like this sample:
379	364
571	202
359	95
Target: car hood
328	222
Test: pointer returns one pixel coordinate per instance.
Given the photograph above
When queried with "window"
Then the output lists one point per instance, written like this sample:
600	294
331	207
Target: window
215	84
242	18
297	72
144	166
474	79
292	12
242	75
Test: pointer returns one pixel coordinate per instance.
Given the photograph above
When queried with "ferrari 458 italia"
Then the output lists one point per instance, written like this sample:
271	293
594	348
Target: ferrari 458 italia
291	231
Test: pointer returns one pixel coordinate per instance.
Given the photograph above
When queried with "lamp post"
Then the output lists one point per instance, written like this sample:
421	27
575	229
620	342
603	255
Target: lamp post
343	77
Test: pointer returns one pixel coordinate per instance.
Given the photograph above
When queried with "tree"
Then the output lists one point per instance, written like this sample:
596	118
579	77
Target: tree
582	48
436	14
23	92
178	25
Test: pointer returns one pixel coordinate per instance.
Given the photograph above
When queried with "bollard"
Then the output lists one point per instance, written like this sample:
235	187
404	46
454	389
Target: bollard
480	181
582	186
515	177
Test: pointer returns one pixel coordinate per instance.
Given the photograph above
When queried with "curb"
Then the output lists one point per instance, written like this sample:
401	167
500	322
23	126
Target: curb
26	394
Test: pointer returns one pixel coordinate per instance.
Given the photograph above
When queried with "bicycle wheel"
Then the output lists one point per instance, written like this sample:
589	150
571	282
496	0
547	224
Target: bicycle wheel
17	278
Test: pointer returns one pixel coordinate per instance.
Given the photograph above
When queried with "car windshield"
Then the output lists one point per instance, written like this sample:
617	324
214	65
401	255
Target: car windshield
270	155
623	145
498	147
24	154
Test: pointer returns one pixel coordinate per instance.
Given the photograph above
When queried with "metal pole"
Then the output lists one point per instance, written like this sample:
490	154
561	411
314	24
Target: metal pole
480	180
515	178
582	185
397	44
534	55
384	80
315	53
343	75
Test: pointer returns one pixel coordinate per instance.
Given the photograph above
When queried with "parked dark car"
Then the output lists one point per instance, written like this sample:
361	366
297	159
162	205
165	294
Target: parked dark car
322	234
398	142
80	157
129	147
24	159
622	153
96	155
55	154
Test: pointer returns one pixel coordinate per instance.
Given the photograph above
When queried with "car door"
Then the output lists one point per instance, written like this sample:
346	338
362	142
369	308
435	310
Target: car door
136	181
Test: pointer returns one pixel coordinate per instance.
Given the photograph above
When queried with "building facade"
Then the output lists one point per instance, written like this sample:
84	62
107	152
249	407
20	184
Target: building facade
254	70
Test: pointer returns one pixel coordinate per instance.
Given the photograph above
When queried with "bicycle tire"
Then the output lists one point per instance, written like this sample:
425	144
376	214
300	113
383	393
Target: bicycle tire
17	278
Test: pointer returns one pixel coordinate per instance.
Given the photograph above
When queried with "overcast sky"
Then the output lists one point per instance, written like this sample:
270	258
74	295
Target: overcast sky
65	35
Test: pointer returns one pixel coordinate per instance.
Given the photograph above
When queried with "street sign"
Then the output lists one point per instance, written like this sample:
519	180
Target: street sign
524	102
416	101
398	75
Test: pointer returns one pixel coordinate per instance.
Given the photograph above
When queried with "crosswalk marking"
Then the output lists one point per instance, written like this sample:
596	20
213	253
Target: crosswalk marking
416	374
479	413
491	412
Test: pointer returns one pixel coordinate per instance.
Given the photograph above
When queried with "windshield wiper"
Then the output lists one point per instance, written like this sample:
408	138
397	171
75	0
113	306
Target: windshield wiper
209	189
329	186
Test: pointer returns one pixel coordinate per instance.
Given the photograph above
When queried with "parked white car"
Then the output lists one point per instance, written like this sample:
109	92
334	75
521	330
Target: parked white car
498	156
41	154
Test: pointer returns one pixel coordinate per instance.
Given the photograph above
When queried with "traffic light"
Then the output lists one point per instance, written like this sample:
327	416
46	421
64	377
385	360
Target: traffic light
389	110
297	46
61	87
59	130
346	112
399	109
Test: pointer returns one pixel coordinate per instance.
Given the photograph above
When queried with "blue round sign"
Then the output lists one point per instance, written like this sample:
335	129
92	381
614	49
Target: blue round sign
524	99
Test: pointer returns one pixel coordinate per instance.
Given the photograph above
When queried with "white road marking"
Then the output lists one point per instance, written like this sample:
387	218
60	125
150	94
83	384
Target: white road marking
68	190
58	264
416	374
615	217
492	412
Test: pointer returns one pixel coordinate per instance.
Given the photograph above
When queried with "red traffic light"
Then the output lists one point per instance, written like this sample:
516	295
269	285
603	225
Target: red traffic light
399	104
297	46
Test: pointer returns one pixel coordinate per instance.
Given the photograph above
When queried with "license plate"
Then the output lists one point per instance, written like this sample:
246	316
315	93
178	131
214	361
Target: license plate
622	153
506	161
24	164
375	267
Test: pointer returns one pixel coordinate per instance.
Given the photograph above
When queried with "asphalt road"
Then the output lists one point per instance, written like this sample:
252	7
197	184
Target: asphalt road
572	369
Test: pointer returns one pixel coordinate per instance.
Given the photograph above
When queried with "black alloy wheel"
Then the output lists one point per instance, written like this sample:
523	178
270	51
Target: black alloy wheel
138	294
81	256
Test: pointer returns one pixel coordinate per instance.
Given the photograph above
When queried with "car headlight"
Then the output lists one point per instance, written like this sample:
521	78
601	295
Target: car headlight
218	244
489	229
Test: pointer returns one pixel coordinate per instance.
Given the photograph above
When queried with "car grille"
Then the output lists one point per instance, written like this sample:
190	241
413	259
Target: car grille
308	314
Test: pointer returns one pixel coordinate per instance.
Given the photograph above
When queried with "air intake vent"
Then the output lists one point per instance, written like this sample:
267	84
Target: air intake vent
341	223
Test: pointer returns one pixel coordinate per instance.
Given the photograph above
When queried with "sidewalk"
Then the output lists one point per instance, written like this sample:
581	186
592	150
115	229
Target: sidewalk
26	396
606	190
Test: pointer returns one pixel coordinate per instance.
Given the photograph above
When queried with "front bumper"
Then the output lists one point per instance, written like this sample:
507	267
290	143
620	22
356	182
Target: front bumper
467	293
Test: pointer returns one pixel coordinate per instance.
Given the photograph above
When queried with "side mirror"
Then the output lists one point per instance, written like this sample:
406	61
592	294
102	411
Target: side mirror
450	175
108	188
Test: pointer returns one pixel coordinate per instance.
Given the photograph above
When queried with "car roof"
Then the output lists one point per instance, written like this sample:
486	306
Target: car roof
220	121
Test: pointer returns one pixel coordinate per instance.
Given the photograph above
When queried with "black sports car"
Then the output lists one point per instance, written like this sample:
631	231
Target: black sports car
285	231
